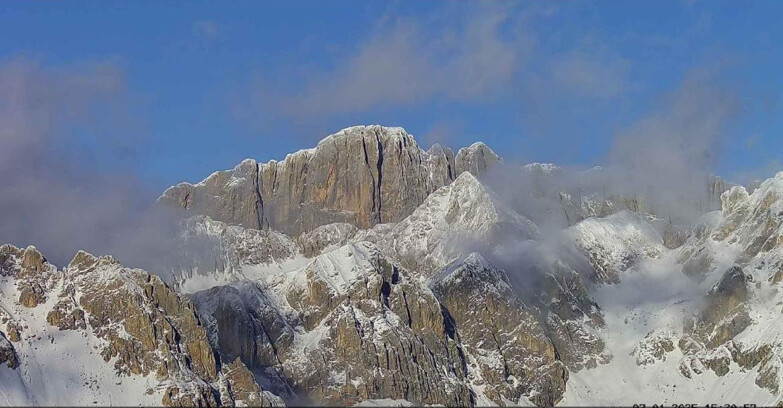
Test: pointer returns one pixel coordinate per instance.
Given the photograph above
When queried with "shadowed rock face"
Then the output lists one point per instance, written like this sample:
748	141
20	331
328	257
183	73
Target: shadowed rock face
362	327
7	353
242	324
503	339
146	328
363	175
725	314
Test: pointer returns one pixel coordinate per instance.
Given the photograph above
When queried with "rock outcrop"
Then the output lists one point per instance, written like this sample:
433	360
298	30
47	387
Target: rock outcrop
363	175
733	325
353	325
7	353
316	241
507	348
571	317
455	217
614	243
374	334
244	325
143	326
477	159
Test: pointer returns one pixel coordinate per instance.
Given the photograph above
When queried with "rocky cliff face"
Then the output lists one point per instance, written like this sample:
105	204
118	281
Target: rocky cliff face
364	294
363	175
368	269
477	159
507	348
353	325
738	325
140	327
455	217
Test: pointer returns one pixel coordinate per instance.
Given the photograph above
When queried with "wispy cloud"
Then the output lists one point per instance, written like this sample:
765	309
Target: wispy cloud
35	104
472	56
597	74
53	196
677	145
405	61
207	29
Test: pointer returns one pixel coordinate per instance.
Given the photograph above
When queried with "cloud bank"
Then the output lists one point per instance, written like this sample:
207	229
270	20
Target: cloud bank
55	194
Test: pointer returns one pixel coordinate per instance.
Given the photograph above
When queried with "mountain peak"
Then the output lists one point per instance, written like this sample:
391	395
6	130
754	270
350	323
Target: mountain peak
361	175
359	131
477	158
84	260
542	168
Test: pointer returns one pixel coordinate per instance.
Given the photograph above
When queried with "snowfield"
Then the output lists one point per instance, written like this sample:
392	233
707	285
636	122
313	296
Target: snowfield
64	367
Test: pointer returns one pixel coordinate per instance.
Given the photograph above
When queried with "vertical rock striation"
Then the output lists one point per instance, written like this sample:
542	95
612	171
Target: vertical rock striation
362	175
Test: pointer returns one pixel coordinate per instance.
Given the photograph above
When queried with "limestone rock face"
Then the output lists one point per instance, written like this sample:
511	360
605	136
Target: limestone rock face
725	314
504	339
36	275
354	325
441	158
7	353
230	196
477	159
571	317
242	388
144	328
363	175
314	242
243	324
370	331
462	213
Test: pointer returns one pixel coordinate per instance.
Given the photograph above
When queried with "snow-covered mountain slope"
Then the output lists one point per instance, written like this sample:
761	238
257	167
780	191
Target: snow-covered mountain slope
98	333
449	222
700	323
353	325
613	243
368	271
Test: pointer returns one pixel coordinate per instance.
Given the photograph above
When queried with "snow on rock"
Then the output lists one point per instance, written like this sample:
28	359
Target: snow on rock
477	159
453	218
364	324
612	244
361	175
99	333
386	402
217	254
713	333
325	238
542	168
511	357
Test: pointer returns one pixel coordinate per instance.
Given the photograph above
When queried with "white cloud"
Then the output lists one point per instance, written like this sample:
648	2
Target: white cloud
411	60
53	197
36	104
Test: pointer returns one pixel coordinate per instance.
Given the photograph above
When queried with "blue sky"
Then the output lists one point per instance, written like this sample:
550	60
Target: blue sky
194	87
